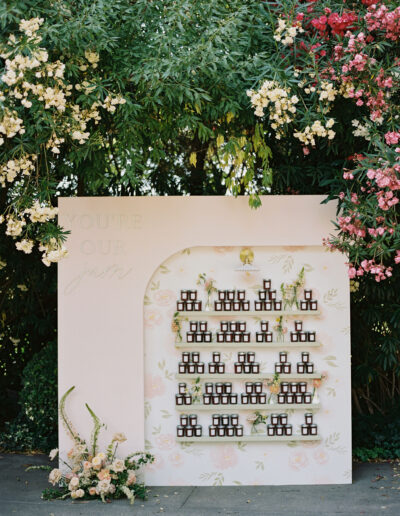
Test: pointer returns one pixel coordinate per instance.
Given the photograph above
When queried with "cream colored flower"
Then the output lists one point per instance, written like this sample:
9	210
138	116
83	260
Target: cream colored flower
119	437
131	477
96	462
73	483
92	491
26	246
118	465
80	493
55	476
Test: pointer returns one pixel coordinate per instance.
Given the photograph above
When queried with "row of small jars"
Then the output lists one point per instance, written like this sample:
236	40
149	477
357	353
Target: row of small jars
302	368
227	306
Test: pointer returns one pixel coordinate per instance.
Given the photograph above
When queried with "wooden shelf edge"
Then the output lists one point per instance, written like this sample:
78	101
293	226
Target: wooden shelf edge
267	407
247	345
249	313
261	376
249	438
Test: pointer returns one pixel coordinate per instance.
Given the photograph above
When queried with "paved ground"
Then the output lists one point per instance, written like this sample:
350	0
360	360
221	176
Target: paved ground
375	491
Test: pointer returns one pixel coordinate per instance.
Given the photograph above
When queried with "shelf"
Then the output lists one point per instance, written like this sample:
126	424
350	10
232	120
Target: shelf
276	407
243	376
249	438
242	313
247	345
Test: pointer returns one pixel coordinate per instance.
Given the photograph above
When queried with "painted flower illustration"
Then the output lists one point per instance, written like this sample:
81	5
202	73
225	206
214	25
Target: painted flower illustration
164	297
320	456
224	457
154	386
175	459
298	460
152	317
165	441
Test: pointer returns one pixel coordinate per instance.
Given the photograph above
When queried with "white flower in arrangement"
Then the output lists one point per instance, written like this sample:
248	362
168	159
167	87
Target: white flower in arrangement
80	493
55	476
53	453
119	437
73	483
25	246
96	462
131	477
118	465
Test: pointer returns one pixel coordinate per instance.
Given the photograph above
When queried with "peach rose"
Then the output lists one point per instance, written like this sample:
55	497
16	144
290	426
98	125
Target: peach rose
103	474
92	491
165	441
320	456
224	457
154	386
176	459
298	460
152	317
164	297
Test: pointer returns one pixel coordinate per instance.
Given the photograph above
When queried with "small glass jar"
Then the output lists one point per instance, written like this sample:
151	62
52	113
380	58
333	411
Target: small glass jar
258	306
278	306
282	357
191	368
239	430
186	357
191	337
224	399
289	398
246	368
206	399
246	337
313	429
285	387
193	325
262	295
182	388
308	417
229	431
270	430
303	304
230	295
220	368
193	295
212	431
234	419
200	368
189	305
298	325
241	326
242	357
305	356
215	398
255	367
245	306
303	336
310	367
184	419
233	398
180	306
272	295
262	398
249	387
236	306
245	399
216	419
180	431
212	368
241	295
224	419
184	295
233	326
216	356
251	356
202	326
281	398
224	326
264	325
195	357
192	419
293	387
228	387
311	336
258	386
279	430
308	294
207	336
238	367
307	397
302	387
274	419
313	304
253	399
237	336
208	387
288	430
219	388
304	429
198	430
259	337
181	368
301	368
188	399
221	431
278	368
294	337
228	336
283	419
220	336
287	368
268	336
298	398
218	306
267	284
227	306
267	306
221	295
197	306
179	399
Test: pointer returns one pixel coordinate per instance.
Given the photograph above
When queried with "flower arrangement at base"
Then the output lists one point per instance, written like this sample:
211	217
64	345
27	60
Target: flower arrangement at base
258	423
92	473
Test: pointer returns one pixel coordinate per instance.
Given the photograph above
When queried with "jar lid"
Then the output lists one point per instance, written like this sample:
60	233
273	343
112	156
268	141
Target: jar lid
283	415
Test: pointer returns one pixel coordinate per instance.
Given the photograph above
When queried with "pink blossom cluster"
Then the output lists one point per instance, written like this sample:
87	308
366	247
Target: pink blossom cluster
352	226
336	23
380	271
380	18
392	138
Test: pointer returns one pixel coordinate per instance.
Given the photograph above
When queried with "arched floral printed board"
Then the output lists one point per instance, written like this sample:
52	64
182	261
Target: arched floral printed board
323	459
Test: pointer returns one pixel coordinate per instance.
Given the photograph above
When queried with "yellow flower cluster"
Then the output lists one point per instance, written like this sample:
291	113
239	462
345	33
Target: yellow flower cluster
25	246
10	125
52	252
14	226
328	91
317	129
30	27
281	105
286	32
13	167
92	57
111	102
40	213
